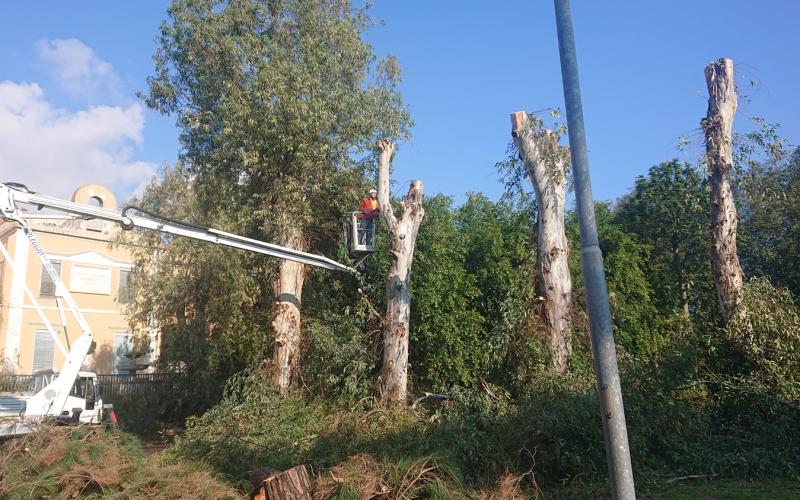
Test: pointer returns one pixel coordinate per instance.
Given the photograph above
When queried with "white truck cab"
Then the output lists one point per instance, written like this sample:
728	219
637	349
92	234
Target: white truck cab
83	405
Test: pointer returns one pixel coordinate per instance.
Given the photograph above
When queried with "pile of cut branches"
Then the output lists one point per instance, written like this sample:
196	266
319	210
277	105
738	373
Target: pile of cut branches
67	462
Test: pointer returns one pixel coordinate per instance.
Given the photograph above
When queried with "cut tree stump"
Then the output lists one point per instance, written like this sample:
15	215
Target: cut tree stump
291	484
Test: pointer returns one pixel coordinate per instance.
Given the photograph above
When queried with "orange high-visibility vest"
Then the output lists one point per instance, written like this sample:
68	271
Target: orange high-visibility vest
366	207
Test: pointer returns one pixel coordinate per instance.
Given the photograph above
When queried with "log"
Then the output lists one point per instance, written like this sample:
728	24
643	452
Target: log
258	476
291	484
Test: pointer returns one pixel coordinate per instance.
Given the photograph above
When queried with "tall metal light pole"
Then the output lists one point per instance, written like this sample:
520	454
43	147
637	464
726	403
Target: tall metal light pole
605	355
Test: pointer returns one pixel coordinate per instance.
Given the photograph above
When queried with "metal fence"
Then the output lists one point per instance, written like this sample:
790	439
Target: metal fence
15	383
113	387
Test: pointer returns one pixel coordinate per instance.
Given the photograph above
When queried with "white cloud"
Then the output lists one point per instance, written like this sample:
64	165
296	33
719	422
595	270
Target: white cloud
76	68
53	150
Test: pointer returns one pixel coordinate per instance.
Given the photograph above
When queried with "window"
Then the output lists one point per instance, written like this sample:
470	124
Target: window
47	288
123	344
43	351
126	290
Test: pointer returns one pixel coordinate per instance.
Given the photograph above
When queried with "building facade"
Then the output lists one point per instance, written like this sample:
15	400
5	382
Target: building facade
97	275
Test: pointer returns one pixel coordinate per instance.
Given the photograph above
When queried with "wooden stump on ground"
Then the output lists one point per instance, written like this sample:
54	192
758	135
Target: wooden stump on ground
291	484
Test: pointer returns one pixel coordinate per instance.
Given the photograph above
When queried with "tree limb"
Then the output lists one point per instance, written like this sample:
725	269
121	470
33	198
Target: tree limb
385	151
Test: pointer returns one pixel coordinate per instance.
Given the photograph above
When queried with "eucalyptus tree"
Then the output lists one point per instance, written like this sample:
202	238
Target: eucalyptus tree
718	129
275	101
547	165
402	239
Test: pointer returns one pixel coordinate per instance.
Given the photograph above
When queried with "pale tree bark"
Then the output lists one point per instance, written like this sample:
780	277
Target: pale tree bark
547	165
288	289
718	128
402	236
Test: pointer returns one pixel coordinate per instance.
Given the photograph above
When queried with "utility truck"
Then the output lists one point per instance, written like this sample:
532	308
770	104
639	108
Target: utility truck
73	396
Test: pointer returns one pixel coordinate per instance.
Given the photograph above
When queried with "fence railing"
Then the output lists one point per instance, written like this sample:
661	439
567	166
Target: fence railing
15	383
116	386
113	387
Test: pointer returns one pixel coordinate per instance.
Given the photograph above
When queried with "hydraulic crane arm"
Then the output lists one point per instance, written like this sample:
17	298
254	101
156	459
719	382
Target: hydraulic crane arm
13	194
51	399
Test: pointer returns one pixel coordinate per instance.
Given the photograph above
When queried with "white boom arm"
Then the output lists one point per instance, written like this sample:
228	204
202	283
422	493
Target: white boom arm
51	400
11	195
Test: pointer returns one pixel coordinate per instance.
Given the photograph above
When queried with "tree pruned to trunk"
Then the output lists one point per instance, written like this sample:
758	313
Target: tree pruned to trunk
288	288
547	165
402	236
718	129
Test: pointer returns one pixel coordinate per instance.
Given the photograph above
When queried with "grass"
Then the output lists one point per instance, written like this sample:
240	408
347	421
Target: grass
731	489
700	488
87	462
67	462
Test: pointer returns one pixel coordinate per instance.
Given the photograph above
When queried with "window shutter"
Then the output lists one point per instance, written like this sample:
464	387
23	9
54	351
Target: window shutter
48	286
126	290
43	351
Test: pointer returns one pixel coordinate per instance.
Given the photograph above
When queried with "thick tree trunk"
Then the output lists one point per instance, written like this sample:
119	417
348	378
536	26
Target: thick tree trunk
547	168
402	234
288	288
718	128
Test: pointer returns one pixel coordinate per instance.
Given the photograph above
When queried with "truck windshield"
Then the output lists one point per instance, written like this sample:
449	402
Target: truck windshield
82	387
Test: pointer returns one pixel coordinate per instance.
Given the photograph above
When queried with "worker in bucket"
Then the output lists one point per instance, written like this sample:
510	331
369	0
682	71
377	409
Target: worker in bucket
367	212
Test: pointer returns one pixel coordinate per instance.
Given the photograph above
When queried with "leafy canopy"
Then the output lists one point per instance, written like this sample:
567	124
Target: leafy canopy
275	99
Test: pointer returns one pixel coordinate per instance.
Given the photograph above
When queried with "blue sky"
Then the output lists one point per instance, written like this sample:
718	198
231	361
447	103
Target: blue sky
466	66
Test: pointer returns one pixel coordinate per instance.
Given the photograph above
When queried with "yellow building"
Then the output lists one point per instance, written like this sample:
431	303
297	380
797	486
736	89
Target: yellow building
95	273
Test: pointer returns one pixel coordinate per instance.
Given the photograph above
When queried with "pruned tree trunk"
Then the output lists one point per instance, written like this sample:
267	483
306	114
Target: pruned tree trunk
288	288
547	166
685	299
292	484
402	236
718	128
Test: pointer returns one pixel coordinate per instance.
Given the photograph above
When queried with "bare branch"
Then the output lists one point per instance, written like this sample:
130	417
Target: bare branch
385	151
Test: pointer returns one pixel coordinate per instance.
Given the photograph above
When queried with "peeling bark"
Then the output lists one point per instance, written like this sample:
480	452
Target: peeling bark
547	168
402	235
718	129
288	288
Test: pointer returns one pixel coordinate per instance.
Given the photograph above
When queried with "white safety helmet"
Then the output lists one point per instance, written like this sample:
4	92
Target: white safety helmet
373	190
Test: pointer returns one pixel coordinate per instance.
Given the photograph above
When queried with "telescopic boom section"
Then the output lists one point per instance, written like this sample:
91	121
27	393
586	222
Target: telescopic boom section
12	194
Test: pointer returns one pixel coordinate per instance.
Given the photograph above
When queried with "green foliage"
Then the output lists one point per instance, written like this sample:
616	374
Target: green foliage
768	198
551	432
637	324
499	253
766	347
273	100
207	332
339	359
667	211
277	101
446	333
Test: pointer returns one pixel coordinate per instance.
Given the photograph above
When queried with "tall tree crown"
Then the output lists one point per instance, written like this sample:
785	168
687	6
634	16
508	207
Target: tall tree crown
274	100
